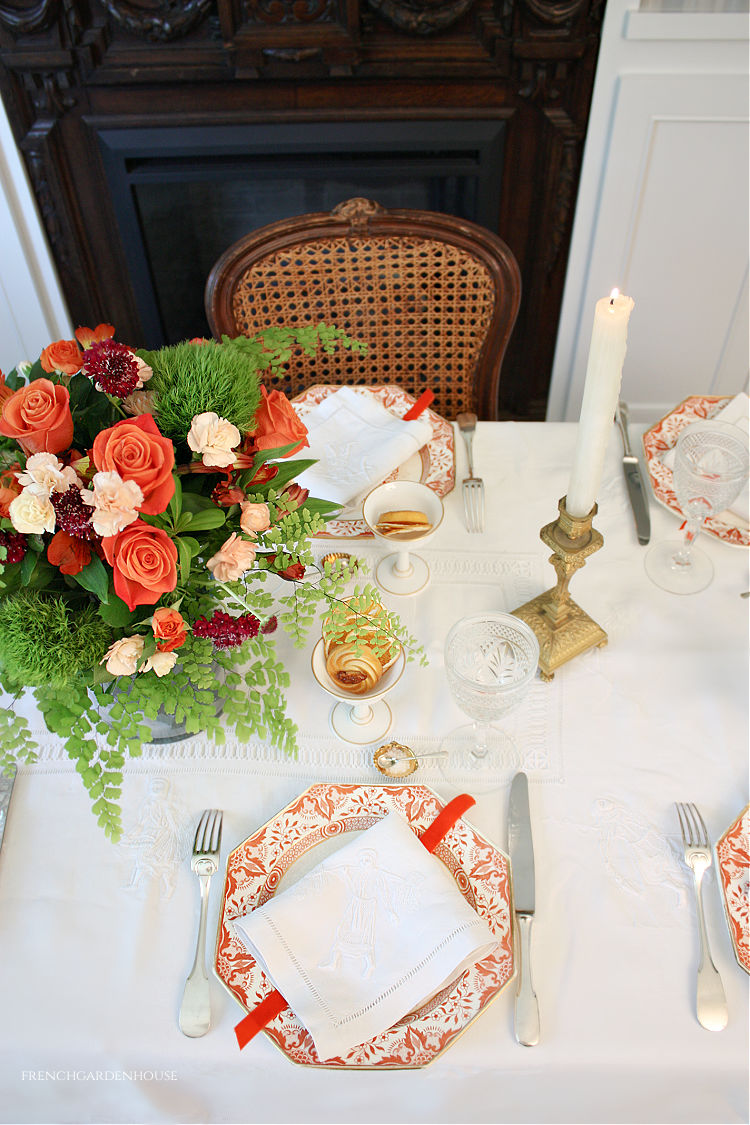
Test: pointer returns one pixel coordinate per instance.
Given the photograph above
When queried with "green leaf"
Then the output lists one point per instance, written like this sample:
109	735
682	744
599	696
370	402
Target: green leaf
28	566
115	612
208	519
193	502
175	504
185	558
95	579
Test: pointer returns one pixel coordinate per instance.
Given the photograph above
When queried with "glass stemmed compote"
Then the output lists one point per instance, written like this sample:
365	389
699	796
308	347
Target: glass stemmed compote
490	662
710	469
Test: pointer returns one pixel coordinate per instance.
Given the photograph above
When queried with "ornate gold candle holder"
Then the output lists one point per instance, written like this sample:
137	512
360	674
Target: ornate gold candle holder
562	628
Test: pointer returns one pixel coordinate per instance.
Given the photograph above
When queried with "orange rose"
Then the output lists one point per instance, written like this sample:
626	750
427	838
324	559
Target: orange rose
64	356
69	554
144	562
9	489
276	423
38	417
169	628
136	450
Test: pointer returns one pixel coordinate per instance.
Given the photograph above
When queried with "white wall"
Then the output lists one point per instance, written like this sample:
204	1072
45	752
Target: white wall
32	308
662	209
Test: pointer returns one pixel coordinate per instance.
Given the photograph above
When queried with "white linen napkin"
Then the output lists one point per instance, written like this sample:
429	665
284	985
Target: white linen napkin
735	412
357	443
370	933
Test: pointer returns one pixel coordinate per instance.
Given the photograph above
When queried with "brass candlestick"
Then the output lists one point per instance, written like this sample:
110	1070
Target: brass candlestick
562	628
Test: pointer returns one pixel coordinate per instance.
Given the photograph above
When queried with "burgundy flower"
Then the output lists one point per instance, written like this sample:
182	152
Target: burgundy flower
72	514
112	367
15	546
227	631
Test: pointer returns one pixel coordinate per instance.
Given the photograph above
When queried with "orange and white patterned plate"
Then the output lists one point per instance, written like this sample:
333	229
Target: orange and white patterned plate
733	860
662	437
434	464
314	820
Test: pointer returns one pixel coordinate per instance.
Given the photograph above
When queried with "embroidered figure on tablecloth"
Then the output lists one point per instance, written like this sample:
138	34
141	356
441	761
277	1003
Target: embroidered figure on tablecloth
638	855
159	840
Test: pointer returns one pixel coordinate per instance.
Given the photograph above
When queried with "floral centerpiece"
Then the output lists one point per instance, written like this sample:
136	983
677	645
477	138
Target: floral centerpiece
145	497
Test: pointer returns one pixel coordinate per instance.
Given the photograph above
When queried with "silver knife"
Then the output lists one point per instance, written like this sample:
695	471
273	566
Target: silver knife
6	788
521	848
634	479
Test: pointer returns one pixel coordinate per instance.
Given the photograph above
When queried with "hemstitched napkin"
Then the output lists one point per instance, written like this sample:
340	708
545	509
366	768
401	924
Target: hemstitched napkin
357	443
369	934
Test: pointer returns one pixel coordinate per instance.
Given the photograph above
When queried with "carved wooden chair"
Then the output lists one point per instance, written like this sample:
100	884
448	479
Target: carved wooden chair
434	297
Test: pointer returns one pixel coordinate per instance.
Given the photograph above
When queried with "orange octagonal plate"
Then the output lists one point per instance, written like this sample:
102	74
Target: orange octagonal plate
301	834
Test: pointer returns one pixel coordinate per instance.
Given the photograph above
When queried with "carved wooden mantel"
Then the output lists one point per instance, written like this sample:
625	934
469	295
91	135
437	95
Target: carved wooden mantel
70	68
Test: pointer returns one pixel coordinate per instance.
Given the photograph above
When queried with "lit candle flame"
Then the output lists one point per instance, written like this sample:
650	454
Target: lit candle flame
613	296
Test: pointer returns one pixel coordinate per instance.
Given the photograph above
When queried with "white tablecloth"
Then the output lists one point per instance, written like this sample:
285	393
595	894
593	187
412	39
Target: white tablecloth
96	939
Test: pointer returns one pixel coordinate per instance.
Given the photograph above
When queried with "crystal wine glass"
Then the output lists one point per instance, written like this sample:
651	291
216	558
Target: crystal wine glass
490	662
710	469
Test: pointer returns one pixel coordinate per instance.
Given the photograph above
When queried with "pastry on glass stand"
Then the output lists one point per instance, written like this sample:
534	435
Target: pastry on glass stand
358	659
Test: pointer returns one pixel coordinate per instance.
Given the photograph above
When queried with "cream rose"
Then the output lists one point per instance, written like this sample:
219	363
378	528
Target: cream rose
160	662
254	518
233	560
214	438
115	502
32	513
122	657
45	474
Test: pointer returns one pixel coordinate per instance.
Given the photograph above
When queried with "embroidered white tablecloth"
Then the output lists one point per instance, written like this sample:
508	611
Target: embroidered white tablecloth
97	939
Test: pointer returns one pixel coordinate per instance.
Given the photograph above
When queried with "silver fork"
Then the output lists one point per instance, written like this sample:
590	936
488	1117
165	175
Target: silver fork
195	1010
711	1002
473	487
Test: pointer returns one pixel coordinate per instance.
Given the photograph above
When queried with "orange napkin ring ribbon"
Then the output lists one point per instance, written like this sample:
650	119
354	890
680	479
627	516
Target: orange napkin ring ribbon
274	1003
419	406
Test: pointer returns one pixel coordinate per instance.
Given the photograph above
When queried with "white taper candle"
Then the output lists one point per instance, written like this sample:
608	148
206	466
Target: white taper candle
600	394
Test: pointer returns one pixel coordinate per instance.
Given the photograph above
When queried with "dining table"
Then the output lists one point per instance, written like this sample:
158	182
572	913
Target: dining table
97	938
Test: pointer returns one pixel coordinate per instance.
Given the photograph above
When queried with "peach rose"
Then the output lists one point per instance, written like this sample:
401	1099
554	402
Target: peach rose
254	518
276	423
38	417
214	438
115	502
169	628
71	555
122	657
139	452
160	662
9	488
63	356
144	562
233	560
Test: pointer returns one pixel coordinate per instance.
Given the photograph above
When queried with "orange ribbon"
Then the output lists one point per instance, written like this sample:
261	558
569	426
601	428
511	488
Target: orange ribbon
274	1003
419	406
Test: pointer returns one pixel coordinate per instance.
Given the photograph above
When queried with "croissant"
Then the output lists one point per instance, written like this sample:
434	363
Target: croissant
354	671
359	648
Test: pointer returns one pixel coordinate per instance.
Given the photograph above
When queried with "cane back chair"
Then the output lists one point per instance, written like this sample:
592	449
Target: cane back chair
434	297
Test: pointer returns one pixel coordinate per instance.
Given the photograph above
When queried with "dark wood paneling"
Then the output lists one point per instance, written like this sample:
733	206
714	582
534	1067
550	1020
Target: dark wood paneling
70	68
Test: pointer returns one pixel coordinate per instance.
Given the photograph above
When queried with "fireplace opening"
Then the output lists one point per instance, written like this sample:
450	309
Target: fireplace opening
183	195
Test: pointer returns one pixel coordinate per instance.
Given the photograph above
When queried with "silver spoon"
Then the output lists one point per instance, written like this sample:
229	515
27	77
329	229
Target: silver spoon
389	760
